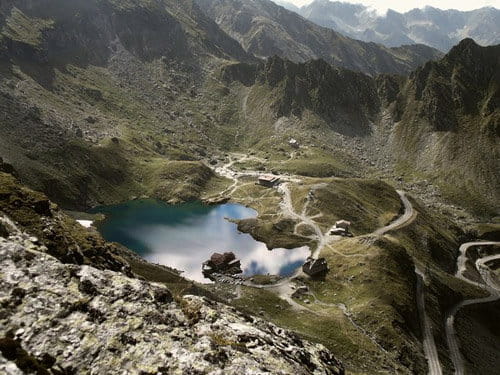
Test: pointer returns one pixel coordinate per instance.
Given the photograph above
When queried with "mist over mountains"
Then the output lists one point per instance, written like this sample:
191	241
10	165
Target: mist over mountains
266	29
441	29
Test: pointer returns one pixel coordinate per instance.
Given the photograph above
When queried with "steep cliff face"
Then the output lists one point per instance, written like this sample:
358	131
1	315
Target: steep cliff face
88	32
347	100
266	29
449	121
62	319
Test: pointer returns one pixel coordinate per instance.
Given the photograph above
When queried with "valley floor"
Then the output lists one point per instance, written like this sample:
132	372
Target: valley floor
285	202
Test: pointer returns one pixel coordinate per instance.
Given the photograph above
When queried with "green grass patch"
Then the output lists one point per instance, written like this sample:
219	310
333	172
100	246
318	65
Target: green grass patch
24	29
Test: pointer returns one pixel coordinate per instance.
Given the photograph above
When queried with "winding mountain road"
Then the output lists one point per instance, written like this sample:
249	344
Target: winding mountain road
406	218
429	344
488	286
284	287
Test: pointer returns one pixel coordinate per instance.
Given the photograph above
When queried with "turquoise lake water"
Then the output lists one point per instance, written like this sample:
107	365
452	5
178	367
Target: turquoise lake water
184	236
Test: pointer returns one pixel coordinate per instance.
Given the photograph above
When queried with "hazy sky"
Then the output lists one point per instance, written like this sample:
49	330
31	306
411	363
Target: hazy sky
404	5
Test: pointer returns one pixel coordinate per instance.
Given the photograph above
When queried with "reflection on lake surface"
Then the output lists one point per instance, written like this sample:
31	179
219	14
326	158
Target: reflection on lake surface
184	236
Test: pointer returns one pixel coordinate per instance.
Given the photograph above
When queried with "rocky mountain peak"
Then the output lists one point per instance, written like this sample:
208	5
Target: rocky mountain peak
441	29
473	57
265	29
469	71
338	95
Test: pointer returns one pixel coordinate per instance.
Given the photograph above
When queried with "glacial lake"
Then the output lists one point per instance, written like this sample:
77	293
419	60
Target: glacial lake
184	236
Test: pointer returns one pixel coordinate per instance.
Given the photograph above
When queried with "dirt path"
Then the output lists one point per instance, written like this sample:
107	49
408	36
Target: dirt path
226	171
429	344
406	218
284	288
488	286
322	239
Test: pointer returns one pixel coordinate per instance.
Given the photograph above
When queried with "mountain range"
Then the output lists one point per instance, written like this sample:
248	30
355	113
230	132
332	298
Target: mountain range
441	29
107	101
65	91
265	29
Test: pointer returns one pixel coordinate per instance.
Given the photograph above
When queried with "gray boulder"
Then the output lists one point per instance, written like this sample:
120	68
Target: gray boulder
65	318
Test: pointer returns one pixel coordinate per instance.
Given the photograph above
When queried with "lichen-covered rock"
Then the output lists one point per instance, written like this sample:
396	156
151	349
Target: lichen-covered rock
64	318
63	237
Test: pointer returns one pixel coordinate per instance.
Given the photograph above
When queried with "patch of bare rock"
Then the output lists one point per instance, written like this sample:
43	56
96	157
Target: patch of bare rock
60	318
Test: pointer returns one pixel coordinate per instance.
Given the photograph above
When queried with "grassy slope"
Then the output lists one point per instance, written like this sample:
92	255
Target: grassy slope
374	279
89	131
383	311
448	130
97	169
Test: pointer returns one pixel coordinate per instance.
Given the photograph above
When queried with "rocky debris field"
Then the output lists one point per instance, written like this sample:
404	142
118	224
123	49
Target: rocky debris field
63	318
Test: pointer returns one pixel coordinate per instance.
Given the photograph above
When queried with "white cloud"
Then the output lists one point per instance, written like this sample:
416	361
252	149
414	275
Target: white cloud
402	6
185	246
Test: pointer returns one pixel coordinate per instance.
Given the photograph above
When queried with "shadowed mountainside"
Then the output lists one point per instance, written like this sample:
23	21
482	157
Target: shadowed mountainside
266	29
440	124
448	124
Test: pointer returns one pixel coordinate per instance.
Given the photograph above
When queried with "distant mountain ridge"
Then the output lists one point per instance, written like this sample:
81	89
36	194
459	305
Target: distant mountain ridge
441	122
266	29
94	81
441	29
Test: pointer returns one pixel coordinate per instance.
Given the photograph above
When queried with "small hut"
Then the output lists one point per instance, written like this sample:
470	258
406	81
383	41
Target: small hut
341	228
338	232
269	180
315	267
344	224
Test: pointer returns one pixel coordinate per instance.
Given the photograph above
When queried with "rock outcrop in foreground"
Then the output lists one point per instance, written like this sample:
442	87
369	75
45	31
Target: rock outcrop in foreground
65	319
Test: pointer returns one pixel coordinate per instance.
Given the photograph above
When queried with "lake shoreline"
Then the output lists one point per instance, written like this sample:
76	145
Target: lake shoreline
185	235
